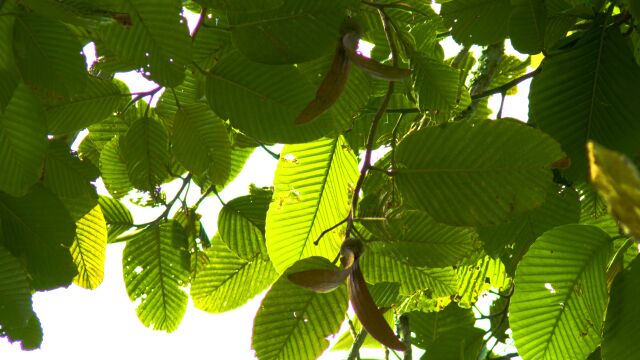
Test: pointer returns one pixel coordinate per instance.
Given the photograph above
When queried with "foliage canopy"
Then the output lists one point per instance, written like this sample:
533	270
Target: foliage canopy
544	212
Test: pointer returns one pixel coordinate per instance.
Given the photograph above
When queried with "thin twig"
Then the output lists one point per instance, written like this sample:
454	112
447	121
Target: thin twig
265	148
502	89
505	357
203	15
374	126
204	195
169	205
405	335
326	231
213	188
139	96
357	343
404	110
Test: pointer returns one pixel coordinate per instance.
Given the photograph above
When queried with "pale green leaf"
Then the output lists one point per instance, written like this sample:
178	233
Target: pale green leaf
295	32
582	95
241	224
263	101
156	270
23	142
377	267
38	227
49	57
414	237
70	179
157	42
89	250
313	183
481	22
622	325
227	281
293	323
99	100
145	150
201	144
116	215
560	296
474	279
477	173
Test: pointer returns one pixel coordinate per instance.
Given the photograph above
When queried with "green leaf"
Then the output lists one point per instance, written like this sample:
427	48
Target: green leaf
295	32
621	327
263	101
414	237
499	321
293	322
212	41
23	142
475	278
618	182
15	293
312	193
481	22
241	224
89	250
228	281
522	230
435	84
156	269
145	150
70	179
477	173
582	95
114	170
77	12
190	92
30	336
157	42
116	215
527	25
242	5
201	144
428	327
463	344
9	74
100	134
49	56
38	227
377	268
99	100
560	296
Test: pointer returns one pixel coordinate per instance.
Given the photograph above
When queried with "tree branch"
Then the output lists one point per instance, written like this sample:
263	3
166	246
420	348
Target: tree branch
169	205
357	343
502	89
374	126
405	334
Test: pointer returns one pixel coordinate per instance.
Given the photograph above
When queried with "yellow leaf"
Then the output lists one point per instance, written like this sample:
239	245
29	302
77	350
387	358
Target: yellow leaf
617	180
89	249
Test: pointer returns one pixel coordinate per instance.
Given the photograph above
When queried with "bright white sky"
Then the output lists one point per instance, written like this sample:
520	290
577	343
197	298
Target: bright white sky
102	324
